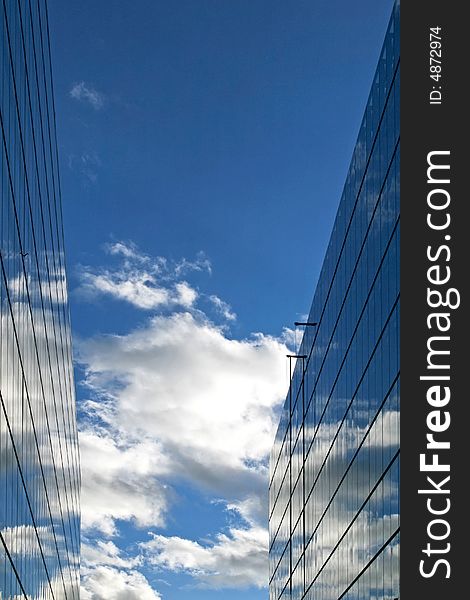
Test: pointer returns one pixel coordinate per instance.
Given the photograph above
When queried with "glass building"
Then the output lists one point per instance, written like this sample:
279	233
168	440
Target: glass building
334	483
39	466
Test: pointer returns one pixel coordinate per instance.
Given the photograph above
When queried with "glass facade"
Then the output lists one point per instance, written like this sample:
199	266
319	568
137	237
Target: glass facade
39	466
334	483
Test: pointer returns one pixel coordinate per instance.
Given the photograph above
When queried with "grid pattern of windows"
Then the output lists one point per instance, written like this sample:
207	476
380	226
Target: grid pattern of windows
334	497
39	466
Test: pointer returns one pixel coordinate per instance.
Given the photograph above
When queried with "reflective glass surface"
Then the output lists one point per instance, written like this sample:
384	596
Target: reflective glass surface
334	484
39	467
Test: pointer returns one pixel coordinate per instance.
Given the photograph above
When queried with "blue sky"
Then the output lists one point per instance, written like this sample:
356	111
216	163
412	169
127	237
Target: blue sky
203	147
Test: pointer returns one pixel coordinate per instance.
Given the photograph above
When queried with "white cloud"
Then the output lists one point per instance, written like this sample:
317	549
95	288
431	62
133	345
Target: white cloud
105	553
292	338
85	93
223	308
237	560
119	482
209	400
251	509
145	282
130	251
186	294
109	583
139	289
108	575
177	401
201	263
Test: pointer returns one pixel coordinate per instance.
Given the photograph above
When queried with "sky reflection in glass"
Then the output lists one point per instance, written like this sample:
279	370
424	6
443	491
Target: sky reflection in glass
334	486
39	469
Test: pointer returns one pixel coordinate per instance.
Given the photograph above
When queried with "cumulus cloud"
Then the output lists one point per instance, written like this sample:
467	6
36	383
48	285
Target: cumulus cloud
145	282
237	560
110	574
120	482
86	93
130	251
176	400
209	400
291	337
109	583
186	294
223	307
204	405
105	553
139	289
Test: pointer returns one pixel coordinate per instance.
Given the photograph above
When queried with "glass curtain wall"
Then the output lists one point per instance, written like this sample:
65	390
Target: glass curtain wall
334	484
39	466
